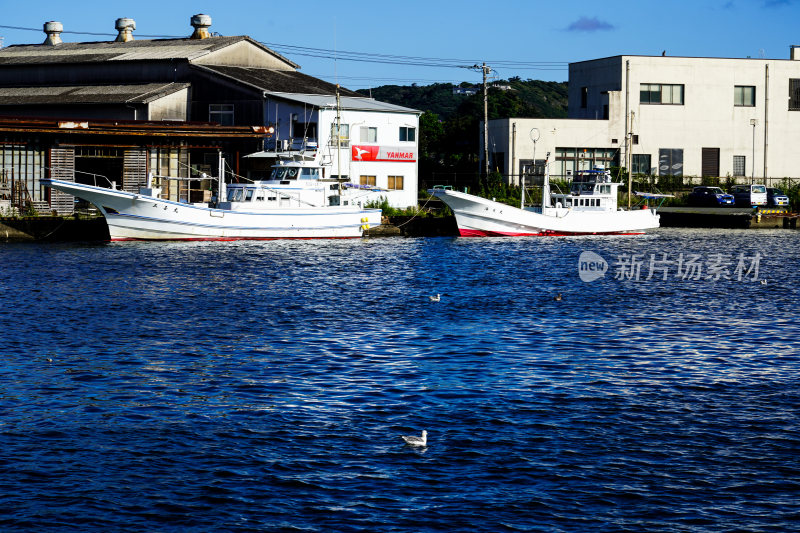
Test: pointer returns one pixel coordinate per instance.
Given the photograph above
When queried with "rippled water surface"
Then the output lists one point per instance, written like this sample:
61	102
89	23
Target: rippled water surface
264	386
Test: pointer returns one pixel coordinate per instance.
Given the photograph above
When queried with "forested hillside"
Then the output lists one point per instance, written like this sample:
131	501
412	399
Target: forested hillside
450	123
525	99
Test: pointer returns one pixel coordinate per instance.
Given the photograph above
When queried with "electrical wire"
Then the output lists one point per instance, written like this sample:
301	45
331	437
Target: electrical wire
363	57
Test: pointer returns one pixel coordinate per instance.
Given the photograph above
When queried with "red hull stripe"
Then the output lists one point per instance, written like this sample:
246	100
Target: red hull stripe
480	233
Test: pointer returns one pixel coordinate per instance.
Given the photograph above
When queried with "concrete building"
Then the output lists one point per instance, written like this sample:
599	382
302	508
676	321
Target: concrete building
685	118
228	81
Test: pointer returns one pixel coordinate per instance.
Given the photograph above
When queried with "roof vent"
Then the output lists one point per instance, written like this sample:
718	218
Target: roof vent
53	30
125	27
201	23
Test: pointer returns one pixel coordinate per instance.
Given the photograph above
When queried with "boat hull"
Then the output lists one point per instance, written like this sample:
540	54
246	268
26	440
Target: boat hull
133	216
480	217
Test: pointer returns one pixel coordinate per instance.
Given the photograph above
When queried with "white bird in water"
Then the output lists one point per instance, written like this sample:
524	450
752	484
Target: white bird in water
435	298
413	440
763	282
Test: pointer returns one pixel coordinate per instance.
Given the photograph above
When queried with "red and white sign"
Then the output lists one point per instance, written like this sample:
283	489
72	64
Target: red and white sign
383	153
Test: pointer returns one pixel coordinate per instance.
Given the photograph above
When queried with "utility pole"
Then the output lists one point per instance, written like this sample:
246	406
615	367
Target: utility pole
485	70
629	161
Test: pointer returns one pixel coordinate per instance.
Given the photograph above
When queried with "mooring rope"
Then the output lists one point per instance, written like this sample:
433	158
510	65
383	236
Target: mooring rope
415	214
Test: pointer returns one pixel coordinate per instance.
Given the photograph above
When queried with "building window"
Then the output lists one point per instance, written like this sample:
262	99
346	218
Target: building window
367	180
21	168
640	164
340	134
659	93
744	96
369	135
408	134
303	130
670	162
395	183
738	165
570	160
584	97
794	95
222	114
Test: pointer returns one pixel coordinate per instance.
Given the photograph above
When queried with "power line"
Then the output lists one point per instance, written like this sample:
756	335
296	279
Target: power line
95	34
362	57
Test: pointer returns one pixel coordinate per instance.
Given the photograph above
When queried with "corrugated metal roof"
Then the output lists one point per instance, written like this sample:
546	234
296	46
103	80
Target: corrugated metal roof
138	50
265	79
298	87
345	102
88	94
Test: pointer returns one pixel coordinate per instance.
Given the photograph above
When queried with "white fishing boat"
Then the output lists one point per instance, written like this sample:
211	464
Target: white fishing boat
295	202
589	208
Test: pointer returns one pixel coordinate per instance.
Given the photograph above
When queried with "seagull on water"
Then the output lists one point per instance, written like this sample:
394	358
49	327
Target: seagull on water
763	282
435	298
413	440
558	297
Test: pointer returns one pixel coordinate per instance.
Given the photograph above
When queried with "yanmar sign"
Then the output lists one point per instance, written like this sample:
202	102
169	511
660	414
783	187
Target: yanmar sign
383	153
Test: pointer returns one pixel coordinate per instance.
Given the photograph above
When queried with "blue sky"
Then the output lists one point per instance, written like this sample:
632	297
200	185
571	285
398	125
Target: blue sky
366	44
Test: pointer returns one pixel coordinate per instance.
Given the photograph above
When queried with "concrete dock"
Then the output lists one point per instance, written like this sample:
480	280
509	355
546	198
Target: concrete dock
727	217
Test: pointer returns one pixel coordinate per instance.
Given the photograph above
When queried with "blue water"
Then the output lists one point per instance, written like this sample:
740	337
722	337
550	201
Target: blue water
264	386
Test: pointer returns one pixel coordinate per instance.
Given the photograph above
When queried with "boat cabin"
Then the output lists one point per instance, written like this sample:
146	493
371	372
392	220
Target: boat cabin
292	184
589	190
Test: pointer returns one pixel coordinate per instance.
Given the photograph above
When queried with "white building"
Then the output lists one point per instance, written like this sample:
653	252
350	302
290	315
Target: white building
377	146
686	117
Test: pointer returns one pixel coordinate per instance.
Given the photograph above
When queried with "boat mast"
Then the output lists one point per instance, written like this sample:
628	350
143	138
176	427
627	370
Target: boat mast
338	139
546	184
221	173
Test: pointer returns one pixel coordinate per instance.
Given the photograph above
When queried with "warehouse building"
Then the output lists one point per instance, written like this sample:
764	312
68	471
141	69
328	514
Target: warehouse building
204	79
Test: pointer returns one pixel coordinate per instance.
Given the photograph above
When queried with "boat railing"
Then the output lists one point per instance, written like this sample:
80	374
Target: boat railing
64	172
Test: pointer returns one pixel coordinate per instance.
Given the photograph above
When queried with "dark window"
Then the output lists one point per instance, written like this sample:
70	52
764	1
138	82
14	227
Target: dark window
408	134
670	162
584	97
660	93
641	164
744	96
221	114
794	95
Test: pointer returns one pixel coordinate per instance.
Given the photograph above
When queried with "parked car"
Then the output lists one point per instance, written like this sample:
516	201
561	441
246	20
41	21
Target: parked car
709	196
749	195
775	197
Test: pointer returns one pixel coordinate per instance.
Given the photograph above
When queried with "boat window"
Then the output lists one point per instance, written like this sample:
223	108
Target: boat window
284	173
249	195
260	196
235	195
271	198
310	174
